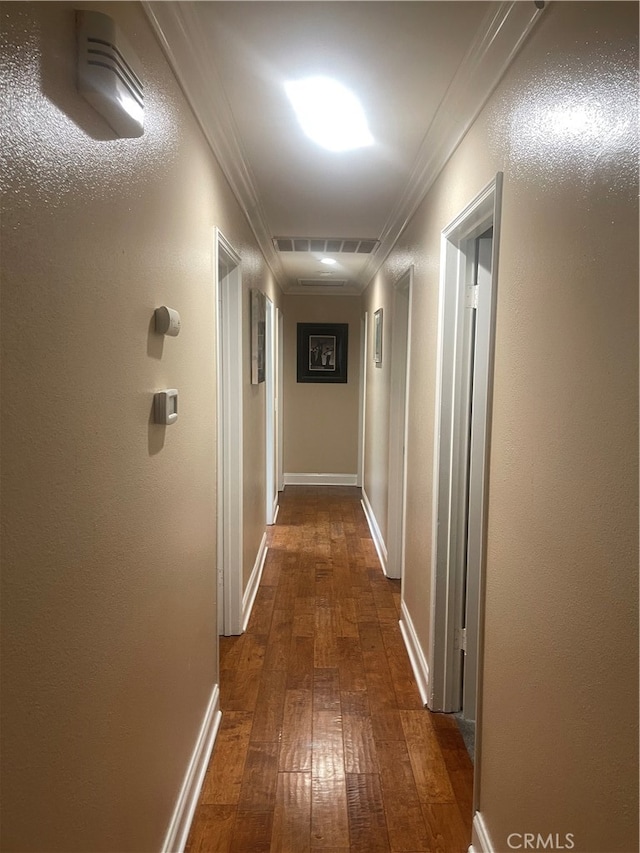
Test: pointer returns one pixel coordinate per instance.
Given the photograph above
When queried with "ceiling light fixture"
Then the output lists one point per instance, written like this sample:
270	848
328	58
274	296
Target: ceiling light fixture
328	261
329	113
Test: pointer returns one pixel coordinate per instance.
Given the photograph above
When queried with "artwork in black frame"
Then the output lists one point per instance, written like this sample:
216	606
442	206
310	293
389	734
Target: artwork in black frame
322	352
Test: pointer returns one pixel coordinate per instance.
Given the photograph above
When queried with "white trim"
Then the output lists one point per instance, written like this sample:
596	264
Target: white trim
417	657
228	291
275	509
270	406
185	807
254	582
501	35
280	412
184	42
376	533
399	423
321	479
362	395
483	211
480	839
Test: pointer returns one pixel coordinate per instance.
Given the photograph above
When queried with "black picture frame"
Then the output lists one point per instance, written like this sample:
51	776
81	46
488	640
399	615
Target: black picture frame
322	352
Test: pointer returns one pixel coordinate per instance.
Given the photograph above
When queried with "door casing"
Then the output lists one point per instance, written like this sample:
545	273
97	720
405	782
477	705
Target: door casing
280	403
362	397
271	408
447	594
398	422
228	302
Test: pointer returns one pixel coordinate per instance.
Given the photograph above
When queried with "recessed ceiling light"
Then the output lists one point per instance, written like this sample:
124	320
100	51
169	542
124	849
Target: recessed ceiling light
328	261
329	113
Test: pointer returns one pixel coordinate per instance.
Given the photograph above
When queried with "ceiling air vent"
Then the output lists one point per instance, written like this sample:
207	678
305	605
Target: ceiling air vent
109	74
322	282
320	244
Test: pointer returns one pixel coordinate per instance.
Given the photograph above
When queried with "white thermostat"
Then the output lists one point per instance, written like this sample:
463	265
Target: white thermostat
167	321
165	406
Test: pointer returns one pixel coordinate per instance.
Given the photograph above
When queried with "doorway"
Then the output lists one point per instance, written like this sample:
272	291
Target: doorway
362	397
271	411
465	351
400	331
228	293
280	405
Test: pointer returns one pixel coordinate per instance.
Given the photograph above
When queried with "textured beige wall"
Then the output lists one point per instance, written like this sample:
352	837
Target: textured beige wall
108	578
321	421
560	697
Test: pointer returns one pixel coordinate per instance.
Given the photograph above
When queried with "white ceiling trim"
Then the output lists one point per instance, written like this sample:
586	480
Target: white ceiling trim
189	55
504	30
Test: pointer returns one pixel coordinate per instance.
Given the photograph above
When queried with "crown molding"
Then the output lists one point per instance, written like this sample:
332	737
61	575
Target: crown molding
183	42
505	28
504	31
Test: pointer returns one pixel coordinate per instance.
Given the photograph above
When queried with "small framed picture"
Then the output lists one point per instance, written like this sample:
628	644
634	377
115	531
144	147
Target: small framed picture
377	338
322	352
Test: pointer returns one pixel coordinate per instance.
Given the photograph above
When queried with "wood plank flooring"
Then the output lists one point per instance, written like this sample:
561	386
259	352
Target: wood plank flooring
324	745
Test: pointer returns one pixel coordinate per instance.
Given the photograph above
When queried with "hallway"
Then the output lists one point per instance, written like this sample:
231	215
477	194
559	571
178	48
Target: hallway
324	743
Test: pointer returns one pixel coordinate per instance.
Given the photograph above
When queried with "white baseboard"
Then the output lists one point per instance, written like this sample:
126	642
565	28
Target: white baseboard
254	582
320	479
416	655
480	840
180	824
376	535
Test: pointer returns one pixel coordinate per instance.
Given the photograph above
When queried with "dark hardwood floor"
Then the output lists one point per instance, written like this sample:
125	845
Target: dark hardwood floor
324	743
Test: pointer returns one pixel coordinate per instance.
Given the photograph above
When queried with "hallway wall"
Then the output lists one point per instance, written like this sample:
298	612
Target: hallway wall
321	421
560	696
109	656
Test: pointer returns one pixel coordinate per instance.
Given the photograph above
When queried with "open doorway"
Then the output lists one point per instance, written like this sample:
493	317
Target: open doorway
280	401
466	335
362	397
271	411
228	292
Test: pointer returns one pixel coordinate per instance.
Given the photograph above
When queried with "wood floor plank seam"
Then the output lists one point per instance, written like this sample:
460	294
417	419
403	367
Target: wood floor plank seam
325	746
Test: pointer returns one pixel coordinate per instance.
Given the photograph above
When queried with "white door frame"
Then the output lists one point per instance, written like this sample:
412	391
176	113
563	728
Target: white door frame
398	423
271	405
230	358
478	470
447	594
280	405
364	330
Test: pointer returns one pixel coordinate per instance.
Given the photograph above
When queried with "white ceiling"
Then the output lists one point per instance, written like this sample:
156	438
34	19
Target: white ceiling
421	69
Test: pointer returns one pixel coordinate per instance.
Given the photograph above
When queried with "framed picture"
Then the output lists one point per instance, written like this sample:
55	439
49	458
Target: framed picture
258	328
322	352
377	338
